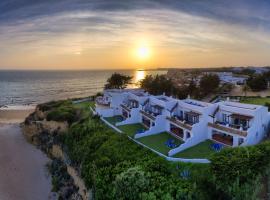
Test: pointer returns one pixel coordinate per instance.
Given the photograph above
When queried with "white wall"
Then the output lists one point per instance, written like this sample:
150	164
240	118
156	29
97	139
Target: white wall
158	128
133	119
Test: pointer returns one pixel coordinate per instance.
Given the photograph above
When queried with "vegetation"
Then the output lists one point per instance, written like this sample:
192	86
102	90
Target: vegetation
209	83
257	82
114	120
117	168
158	85
157	142
256	100
131	129
245	71
118	81
202	150
106	159
61	112
237	172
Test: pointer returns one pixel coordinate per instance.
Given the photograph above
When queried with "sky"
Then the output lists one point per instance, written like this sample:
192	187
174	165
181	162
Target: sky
133	34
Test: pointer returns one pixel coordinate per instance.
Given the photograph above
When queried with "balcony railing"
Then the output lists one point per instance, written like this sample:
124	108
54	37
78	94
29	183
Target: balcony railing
148	114
180	123
228	129
125	107
101	101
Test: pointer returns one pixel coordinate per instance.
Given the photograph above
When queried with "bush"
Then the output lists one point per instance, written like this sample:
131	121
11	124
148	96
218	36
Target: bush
257	82
236	169
209	83
54	104
62	114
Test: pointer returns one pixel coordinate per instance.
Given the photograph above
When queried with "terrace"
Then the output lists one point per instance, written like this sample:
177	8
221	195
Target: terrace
129	104
227	128
158	142
113	120
132	129
164	142
232	123
201	150
102	101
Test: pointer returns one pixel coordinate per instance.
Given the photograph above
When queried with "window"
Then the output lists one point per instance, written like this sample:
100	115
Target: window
224	117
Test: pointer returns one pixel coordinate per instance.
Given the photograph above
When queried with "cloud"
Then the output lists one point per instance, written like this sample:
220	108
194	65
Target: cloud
68	26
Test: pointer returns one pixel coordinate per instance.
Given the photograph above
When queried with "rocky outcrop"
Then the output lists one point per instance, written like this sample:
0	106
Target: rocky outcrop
36	124
43	134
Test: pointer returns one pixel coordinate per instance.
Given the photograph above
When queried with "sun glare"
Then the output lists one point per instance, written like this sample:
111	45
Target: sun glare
143	52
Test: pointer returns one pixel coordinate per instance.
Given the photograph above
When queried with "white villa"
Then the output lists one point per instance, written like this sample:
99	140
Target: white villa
191	121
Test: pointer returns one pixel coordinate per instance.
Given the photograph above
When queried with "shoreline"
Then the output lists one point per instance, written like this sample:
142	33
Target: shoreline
23	173
14	114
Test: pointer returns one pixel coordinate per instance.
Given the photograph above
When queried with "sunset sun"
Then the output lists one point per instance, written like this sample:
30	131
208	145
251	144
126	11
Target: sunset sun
143	52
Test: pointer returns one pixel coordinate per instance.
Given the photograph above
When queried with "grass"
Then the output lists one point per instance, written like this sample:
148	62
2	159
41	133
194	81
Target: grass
157	142
85	107
131	129
201	150
113	120
255	100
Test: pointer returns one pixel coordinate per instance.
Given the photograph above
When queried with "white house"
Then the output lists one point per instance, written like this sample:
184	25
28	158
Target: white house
229	123
235	124
109	104
189	121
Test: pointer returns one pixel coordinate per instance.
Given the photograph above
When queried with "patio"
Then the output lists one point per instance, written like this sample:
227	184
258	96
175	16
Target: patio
113	120
158	142
201	150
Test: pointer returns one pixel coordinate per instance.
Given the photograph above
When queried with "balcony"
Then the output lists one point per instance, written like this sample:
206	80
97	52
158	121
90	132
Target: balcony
180	123
125	107
229	129
226	140
148	114
102	102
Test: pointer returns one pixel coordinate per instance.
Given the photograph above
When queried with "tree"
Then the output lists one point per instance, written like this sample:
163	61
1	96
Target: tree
118	81
209	83
130	184
257	82
157	85
245	89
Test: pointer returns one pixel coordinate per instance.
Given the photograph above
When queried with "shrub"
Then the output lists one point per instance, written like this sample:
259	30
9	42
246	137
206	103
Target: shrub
257	82
62	114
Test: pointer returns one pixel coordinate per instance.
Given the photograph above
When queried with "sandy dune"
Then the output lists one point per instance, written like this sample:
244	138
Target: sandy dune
23	174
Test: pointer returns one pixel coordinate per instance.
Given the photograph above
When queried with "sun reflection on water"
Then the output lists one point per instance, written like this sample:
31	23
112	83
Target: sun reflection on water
139	75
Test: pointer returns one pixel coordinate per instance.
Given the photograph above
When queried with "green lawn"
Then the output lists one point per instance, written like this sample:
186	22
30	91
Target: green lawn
157	142
85	106
257	100
201	150
131	129
113	120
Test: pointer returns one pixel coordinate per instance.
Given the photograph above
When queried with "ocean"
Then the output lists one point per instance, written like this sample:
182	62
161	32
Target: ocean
34	87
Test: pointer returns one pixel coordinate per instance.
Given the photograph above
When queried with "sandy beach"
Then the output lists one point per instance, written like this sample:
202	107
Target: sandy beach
23	174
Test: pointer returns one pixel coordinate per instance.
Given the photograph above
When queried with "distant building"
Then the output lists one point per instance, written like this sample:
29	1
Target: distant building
228	77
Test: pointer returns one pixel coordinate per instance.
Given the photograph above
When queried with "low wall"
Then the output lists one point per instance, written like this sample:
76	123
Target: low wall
158	153
110	125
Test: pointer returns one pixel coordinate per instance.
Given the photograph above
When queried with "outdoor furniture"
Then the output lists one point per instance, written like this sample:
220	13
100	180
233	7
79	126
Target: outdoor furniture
216	147
170	143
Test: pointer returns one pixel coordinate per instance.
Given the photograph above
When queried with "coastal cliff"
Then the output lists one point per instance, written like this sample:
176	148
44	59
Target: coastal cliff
44	133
